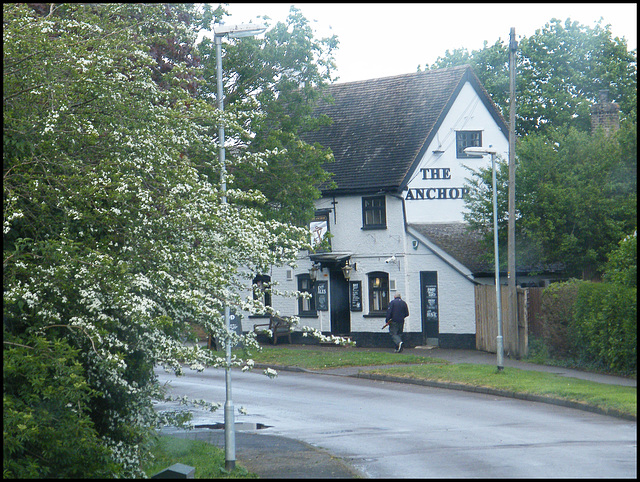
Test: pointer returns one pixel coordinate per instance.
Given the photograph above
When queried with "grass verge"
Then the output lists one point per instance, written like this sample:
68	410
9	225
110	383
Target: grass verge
603	396
207	459
322	358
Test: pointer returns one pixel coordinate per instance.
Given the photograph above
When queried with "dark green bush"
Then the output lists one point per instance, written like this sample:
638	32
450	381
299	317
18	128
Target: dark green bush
591	325
557	312
604	325
47	431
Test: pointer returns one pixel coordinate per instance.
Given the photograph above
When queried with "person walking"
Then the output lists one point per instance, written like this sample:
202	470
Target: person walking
396	313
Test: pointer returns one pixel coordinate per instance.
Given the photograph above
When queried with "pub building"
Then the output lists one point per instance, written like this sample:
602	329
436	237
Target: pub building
396	216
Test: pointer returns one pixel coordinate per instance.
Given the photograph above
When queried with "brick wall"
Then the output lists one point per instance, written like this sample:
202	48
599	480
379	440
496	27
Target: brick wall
605	114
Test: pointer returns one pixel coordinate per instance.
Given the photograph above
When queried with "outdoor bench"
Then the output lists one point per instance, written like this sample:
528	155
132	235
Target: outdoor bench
278	325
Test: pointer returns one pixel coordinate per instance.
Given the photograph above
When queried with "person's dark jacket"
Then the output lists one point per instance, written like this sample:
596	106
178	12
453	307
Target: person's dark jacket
397	311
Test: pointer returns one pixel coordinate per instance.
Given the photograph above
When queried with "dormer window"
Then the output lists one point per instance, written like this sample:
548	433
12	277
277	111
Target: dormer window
467	139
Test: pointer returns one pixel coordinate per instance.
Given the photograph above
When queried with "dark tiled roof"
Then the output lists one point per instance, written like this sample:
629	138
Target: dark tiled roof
381	127
459	241
465	245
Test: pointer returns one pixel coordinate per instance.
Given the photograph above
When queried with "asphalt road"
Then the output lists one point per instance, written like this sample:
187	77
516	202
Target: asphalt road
394	430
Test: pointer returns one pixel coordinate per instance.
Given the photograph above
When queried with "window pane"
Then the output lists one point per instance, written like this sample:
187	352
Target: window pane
378	292
306	306
373	212
467	139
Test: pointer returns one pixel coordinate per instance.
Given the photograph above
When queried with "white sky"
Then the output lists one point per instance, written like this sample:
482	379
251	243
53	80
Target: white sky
383	39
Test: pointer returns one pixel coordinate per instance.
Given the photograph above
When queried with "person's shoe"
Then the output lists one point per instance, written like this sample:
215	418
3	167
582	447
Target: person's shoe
399	350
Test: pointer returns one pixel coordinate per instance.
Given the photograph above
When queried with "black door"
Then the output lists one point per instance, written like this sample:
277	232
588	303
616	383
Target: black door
429	302
340	314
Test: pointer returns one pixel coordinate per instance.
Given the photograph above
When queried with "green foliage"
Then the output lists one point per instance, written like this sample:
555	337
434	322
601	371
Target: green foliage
272	83
605	326
115	238
575	193
557	311
592	324
622	267
207	459
576	197
47	430
560	70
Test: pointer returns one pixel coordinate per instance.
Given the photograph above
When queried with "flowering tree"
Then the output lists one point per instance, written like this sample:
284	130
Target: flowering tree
115	236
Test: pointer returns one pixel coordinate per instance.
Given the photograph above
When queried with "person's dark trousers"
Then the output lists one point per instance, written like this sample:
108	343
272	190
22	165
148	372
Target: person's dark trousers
395	329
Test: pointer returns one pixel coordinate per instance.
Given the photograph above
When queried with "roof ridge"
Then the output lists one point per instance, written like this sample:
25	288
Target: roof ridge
419	72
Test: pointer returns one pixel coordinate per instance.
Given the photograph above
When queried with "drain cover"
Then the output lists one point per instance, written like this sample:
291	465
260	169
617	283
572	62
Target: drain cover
238	426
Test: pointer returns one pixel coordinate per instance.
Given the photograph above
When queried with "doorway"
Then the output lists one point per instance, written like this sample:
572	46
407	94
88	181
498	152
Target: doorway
429	306
340	313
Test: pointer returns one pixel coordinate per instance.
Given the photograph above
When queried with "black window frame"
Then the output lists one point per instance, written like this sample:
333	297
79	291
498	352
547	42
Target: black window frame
381	210
383	289
265	280
463	141
305	279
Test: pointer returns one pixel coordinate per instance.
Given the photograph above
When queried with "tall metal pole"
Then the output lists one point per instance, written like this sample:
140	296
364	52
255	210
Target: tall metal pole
229	422
499	342
511	234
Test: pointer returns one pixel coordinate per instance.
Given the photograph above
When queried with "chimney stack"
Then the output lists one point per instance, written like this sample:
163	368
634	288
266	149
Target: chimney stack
605	114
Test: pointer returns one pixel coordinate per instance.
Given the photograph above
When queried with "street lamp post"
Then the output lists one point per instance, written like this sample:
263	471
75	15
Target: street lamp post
499	341
233	31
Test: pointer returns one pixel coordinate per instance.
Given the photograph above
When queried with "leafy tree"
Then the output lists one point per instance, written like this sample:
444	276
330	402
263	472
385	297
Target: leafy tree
114	236
622	266
272	84
560	70
576	198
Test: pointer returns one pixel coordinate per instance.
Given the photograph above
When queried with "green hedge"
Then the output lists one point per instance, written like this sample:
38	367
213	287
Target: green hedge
604	325
593	324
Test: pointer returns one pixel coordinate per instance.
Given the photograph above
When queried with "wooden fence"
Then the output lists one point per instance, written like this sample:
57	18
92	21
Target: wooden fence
515	336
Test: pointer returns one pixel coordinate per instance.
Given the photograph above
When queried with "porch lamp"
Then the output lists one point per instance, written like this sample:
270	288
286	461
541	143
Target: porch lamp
232	31
499	342
313	272
346	271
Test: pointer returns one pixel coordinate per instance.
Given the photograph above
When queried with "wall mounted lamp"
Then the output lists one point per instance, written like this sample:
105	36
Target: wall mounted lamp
313	272
346	270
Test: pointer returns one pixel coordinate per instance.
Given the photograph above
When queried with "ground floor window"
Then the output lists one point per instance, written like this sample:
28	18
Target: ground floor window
378	292
306	305
261	289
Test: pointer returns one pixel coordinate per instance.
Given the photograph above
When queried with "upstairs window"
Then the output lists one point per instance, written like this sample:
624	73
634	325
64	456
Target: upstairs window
467	139
374	213
378	293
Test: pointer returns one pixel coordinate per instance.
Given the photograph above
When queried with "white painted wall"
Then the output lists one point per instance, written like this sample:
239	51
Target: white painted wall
467	113
370	248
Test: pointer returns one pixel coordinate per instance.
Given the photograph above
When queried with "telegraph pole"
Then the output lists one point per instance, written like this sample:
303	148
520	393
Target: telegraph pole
511	241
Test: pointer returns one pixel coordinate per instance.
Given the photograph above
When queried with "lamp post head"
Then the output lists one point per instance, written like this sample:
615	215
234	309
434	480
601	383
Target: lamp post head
239	30
480	150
